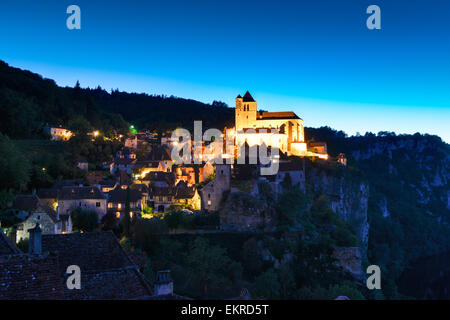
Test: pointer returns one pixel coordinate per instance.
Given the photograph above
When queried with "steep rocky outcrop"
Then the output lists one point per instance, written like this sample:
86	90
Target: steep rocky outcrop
348	198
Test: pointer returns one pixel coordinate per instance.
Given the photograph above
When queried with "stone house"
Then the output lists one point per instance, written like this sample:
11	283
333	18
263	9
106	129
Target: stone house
34	211
161	154
117	201
126	153
123	164
158	179
49	221
212	193
161	198
318	147
58	133
131	142
186	172
295	172
87	198
142	168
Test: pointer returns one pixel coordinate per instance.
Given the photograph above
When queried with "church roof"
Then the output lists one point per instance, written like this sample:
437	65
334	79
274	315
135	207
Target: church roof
248	97
239	96
277	115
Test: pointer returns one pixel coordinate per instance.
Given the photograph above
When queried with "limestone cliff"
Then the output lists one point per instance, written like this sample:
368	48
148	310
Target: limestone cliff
348	197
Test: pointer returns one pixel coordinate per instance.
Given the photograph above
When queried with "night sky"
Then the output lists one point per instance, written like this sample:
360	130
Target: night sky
316	58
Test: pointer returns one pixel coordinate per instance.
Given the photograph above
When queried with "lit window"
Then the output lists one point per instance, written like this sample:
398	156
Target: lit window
119	206
118	215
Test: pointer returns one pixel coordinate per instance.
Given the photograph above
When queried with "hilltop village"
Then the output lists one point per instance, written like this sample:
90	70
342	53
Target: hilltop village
151	184
142	182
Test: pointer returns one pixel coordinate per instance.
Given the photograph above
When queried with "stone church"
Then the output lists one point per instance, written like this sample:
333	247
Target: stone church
283	130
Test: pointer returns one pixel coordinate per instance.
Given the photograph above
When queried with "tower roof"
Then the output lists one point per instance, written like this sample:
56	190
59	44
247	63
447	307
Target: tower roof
248	97
238	97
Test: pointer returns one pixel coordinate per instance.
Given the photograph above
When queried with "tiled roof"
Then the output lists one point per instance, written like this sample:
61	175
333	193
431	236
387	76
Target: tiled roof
26	202
120	195
107	272
124	178
185	193
276	115
26	277
91	251
159	153
50	212
146	164
94	180
118	284
47	193
6	245
163	191
78	193
177	192
168	177
124	161
139	186
108	183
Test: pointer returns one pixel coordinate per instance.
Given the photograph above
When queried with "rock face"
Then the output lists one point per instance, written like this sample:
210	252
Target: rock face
243	212
348	198
419	164
350	260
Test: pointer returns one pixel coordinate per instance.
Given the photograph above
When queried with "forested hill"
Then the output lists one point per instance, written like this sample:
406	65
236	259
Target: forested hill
161	112
28	101
409	198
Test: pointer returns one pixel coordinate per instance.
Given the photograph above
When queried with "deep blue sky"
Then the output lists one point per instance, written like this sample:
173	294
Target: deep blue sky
315	57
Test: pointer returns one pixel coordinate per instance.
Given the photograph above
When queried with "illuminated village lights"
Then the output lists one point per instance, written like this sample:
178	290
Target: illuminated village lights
265	134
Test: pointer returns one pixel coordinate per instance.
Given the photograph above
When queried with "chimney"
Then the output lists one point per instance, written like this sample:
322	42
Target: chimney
35	241
163	283
57	212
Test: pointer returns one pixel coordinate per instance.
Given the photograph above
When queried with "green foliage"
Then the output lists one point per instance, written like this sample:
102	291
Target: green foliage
252	258
6	198
291	206
14	166
344	290
267	285
84	220
147	232
207	267
175	218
